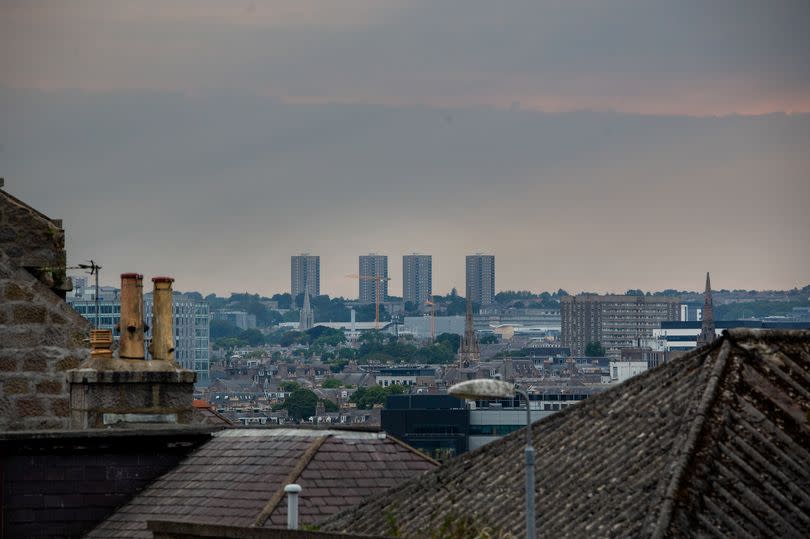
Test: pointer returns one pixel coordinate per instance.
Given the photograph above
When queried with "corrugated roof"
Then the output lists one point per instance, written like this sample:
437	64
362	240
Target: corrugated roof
237	478
714	443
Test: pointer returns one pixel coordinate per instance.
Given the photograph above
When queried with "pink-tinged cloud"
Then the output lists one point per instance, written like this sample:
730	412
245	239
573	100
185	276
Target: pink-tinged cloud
682	58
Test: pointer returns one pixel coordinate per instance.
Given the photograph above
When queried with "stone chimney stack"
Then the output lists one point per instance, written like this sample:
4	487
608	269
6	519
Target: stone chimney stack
162	347
130	390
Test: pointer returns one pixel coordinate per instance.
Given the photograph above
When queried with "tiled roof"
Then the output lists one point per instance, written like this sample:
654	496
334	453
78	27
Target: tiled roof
716	443
238	478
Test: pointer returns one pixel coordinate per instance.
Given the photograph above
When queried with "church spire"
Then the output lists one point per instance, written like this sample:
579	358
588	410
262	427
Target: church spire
307	320
469	352
707	333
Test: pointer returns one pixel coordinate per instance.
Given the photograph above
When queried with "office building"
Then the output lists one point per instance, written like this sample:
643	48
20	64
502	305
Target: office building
373	275
481	278
417	279
683	336
305	272
616	322
191	327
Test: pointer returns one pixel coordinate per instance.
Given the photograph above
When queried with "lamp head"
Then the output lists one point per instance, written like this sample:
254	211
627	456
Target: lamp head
482	389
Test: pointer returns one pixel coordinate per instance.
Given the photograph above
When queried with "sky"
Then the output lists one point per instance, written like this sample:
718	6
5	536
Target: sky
588	145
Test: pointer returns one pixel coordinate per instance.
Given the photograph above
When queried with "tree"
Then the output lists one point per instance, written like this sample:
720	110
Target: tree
289	386
301	404
367	397
253	337
595	349
451	340
331	383
283	300
222	329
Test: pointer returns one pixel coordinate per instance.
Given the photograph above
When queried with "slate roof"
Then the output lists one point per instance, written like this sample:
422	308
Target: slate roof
715	443
239	477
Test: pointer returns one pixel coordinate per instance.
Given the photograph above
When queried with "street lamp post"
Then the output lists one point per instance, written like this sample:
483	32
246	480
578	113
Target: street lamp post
497	389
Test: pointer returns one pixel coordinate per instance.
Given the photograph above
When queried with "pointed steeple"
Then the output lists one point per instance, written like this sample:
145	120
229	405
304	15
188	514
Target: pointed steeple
469	353
707	333
307	320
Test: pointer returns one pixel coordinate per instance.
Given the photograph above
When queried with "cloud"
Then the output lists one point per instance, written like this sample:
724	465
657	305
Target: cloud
656	57
220	191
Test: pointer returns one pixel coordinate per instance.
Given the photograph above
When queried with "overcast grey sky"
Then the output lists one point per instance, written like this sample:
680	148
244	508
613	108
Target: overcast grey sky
589	145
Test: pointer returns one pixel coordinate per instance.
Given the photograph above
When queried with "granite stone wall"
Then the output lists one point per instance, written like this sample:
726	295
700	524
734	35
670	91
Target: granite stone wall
41	338
34	241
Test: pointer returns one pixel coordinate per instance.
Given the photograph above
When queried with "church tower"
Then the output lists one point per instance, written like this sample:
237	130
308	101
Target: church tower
707	333
469	353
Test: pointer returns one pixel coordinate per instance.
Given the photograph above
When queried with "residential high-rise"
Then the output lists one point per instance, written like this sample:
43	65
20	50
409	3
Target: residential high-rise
481	278
616	322
707	333
305	271
373	274
417	278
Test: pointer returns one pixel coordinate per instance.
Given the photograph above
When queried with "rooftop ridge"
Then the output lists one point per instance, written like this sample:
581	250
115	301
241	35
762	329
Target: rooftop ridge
687	450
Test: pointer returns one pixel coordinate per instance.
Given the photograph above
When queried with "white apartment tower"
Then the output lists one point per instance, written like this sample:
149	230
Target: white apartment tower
373	273
417	278
305	272
481	278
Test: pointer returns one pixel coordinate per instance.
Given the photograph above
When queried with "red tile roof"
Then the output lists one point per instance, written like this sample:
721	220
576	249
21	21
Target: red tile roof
231	479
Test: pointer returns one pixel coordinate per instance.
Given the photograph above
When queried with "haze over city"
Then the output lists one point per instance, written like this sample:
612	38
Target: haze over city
587	145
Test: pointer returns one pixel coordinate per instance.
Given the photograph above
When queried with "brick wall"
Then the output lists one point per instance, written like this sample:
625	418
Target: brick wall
41	337
64	484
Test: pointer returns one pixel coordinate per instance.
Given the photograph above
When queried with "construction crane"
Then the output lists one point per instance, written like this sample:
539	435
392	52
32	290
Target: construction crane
432	319
377	279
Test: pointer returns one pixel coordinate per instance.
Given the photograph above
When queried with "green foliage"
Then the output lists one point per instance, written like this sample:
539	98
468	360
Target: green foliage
365	313
253	337
325	336
331	383
451	340
329	406
367	397
512	295
330	309
289	386
222	329
455	526
488	339
376	348
757	309
337	365
283	300
456	305
595	349
301	404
